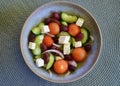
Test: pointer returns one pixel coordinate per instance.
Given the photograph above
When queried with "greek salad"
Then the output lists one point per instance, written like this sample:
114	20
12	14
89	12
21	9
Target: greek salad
60	42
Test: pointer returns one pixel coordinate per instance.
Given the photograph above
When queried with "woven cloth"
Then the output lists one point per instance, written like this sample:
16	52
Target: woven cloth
14	71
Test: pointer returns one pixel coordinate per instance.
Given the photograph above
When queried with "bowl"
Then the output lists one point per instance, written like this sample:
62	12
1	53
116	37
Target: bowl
43	12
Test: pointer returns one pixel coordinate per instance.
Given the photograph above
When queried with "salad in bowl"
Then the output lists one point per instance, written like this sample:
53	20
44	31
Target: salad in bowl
60	42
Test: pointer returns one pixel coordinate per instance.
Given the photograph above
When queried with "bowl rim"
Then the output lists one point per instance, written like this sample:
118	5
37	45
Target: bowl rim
66	2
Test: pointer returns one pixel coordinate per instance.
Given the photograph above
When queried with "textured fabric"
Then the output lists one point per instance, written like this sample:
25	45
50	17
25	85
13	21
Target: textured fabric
14	71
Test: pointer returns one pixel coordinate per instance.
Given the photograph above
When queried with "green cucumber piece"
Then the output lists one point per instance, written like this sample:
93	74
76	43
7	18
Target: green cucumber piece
36	30
50	63
68	18
64	23
73	41
38	56
41	25
62	33
39	39
37	50
57	58
86	34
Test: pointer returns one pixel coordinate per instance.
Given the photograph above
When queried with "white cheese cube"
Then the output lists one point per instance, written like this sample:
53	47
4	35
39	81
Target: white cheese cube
80	22
64	39
39	62
45	29
32	45
78	44
66	49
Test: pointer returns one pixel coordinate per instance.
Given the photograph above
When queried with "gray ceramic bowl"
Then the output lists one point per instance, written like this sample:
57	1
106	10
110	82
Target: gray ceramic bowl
43	12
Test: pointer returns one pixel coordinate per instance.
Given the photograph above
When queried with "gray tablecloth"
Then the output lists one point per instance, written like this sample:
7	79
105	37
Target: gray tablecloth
14	71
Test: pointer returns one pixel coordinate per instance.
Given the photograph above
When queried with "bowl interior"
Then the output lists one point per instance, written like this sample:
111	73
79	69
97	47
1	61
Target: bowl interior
43	12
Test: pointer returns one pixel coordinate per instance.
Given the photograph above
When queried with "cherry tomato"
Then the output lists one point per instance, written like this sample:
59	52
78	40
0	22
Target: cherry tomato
54	28
48	41
79	54
73	29
60	66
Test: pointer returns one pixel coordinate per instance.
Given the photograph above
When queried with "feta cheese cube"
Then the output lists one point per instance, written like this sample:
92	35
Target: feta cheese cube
64	39
80	22
39	62
45	29
66	49
78	44
32	45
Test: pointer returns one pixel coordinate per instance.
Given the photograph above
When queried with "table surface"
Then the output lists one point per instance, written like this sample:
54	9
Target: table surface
14	71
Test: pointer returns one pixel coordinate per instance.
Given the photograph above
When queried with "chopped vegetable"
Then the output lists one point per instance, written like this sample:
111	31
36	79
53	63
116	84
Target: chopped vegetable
63	33
50	63
58	58
37	50
56	51
36	30
72	65
54	28
86	34
64	23
68	18
79	54
48	41
60	66
73	41
56	45
50	35
39	39
73	29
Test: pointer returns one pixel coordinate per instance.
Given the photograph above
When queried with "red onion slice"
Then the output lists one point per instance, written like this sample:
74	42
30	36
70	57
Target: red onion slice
51	74
67	74
92	38
56	51
50	35
73	63
56	45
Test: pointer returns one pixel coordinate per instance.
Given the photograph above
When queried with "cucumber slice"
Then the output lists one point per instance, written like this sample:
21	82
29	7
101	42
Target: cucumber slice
62	33
73	41
37	50
39	39
41	25
50	63
64	23
68	18
36	30
36	57
86	35
57	58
